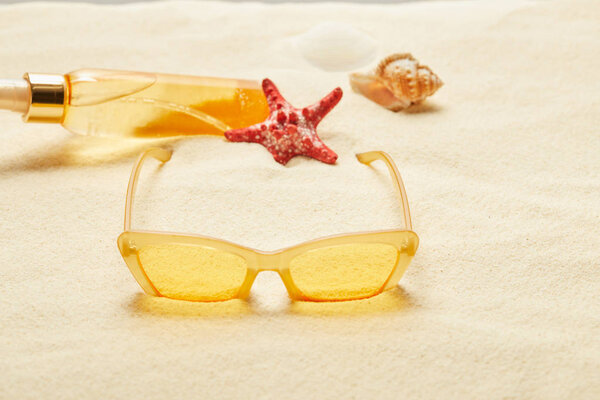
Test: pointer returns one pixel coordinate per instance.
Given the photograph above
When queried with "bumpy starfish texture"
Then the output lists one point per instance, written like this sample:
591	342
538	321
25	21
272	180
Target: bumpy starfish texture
290	131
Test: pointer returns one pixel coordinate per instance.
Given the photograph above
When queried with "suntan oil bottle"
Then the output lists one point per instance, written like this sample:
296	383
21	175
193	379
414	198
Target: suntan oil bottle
135	104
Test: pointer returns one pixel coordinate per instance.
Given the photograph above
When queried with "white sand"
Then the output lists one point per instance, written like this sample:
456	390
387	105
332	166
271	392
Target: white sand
502	172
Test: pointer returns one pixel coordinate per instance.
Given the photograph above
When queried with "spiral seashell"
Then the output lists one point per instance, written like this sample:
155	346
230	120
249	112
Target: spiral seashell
397	82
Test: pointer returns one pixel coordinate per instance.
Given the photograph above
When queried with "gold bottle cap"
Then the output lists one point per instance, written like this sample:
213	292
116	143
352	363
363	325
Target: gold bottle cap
48	97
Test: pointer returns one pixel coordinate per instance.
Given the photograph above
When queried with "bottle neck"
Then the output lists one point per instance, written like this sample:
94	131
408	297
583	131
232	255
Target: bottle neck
48	94
39	97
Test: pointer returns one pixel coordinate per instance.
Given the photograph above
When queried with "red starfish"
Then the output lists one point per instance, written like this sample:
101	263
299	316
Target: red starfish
290	131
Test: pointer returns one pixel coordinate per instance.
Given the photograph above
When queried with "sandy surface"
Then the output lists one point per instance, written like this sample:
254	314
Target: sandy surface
501	168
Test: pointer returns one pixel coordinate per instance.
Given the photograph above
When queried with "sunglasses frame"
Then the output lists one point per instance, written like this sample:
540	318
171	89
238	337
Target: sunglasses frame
131	241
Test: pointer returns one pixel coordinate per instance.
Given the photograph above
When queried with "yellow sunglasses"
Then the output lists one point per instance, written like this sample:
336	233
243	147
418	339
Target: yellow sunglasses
200	268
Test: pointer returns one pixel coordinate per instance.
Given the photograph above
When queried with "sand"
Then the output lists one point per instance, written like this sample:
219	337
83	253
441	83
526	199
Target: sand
501	168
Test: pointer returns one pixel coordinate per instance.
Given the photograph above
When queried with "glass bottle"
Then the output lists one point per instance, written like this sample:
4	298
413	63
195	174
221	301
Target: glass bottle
136	104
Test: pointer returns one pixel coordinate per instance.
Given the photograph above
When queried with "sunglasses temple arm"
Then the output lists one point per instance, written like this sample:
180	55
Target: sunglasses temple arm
368	157
162	155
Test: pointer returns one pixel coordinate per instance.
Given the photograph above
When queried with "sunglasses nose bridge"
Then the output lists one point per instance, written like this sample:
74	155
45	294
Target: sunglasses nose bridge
268	261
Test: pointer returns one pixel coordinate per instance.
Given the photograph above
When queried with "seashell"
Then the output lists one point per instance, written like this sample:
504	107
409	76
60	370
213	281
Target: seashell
397	82
334	46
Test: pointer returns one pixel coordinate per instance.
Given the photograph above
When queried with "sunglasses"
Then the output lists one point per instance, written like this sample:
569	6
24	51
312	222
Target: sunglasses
200	268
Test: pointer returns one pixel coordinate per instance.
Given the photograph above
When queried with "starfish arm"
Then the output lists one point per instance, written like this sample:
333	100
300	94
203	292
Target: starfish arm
280	157
249	134
319	151
274	98
317	111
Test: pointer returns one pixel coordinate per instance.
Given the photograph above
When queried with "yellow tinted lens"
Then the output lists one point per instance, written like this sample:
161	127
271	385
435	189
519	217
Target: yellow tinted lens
343	272
191	272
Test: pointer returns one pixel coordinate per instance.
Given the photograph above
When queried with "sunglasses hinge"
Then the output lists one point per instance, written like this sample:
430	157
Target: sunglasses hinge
129	248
